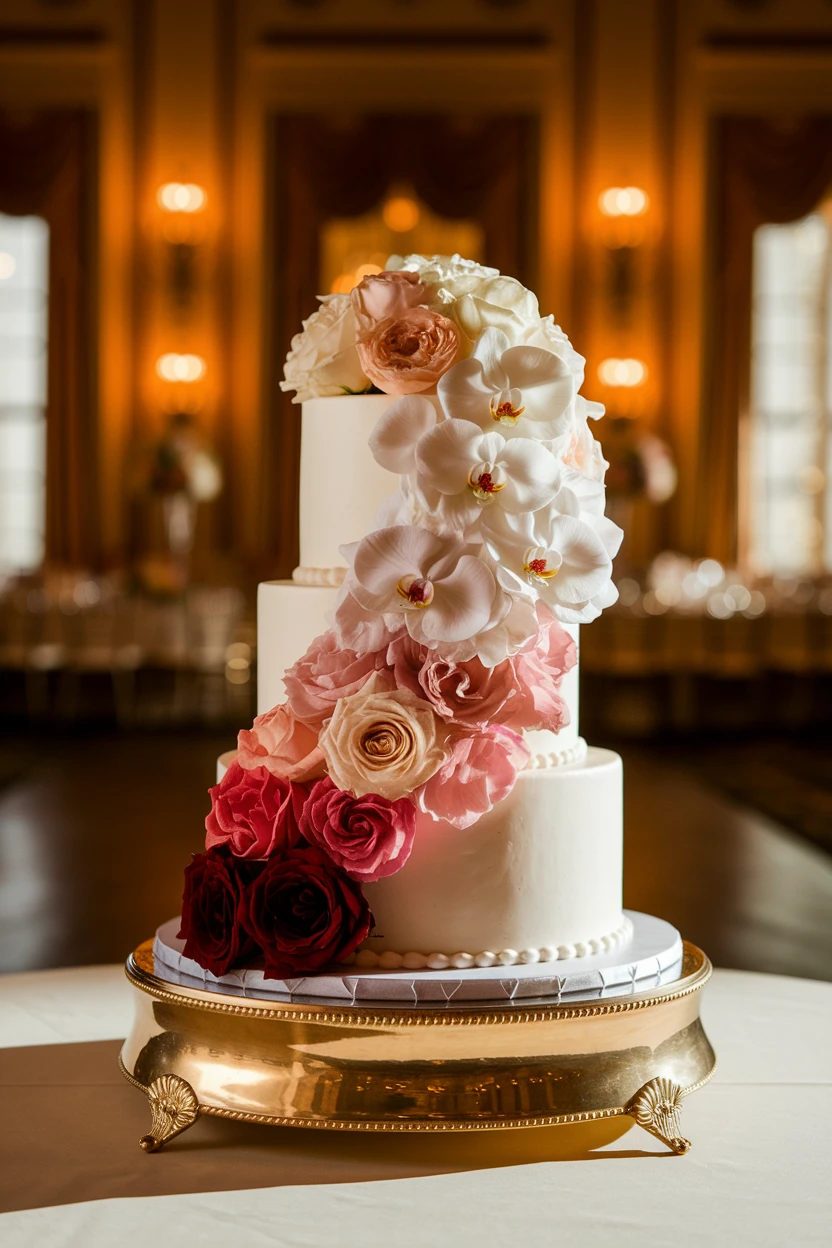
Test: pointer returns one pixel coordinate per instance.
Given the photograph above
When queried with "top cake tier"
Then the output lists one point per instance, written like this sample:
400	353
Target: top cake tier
341	485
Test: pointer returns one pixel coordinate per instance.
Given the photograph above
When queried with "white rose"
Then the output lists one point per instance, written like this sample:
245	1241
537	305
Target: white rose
498	302
323	359
450	276
382	742
546	334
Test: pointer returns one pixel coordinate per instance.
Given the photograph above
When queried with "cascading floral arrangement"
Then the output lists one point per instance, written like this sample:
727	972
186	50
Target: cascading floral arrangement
447	641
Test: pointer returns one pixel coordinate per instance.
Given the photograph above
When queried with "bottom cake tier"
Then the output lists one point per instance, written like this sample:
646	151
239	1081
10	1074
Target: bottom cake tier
538	879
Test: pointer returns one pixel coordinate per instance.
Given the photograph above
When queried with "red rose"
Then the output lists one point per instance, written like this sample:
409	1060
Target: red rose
253	812
215	884
303	912
369	836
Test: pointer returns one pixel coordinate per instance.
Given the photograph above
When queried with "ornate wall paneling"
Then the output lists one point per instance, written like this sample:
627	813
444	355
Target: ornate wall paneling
470	59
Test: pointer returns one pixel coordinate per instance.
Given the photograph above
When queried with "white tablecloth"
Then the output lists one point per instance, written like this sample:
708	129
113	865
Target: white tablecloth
759	1171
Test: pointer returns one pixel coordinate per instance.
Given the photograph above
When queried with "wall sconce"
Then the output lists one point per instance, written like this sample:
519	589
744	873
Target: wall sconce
616	372
181	197
401	214
181	368
623	201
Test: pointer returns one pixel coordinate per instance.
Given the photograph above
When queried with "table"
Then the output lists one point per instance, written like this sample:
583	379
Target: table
758	1172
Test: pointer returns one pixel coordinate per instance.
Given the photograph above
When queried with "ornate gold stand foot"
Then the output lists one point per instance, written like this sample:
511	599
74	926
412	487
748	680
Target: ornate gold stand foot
657	1108
173	1108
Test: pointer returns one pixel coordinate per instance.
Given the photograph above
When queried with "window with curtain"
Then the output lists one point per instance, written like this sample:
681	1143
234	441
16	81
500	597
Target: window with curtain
764	494
790	410
24	298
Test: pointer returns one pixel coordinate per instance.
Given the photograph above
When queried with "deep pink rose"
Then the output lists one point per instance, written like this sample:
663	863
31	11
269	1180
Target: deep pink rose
369	836
481	771
324	674
303	912
254	812
539	672
467	694
409	354
215	885
386	296
280	742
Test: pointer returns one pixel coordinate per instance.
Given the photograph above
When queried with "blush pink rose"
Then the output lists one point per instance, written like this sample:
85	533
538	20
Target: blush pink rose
409	354
254	813
467	694
386	296
480	772
369	837
282	744
539	672
324	674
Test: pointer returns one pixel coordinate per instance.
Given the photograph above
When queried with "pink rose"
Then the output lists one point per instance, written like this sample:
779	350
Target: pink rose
254	813
324	674
369	837
409	354
539	672
281	743
481	771
467	694
386	296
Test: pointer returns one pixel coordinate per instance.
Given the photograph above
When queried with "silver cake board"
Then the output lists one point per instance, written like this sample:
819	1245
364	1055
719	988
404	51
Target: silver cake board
652	959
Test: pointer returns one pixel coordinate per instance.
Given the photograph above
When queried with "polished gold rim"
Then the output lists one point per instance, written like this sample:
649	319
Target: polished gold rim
441	1125
696	971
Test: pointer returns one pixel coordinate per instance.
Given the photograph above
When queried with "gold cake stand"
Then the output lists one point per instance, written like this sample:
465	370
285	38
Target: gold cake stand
380	1067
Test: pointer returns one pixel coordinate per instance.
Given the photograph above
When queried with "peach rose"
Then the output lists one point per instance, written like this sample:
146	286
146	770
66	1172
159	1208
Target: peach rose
386	296
282	744
409	354
383	742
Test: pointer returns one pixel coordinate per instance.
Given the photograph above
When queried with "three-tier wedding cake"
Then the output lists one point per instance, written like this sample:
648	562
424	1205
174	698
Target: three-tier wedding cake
414	792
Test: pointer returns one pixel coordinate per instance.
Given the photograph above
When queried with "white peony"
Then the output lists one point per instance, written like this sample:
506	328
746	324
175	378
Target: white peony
449	276
324	359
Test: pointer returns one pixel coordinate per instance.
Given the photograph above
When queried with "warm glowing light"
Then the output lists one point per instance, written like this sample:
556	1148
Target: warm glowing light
613	372
623	201
401	214
343	284
186	368
181	197
366	270
8	264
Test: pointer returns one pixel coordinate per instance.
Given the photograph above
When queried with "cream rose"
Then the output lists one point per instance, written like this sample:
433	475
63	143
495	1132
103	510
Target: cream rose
383	742
324	359
499	303
448	277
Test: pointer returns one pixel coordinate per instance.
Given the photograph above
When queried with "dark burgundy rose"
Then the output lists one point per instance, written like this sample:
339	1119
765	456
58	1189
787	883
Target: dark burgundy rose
215	884
304	911
369	836
253	812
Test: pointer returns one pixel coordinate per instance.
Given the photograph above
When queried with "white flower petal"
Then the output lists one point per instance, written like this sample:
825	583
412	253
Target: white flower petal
383	557
446	455
533	475
465	394
586	566
489	350
461	606
393	441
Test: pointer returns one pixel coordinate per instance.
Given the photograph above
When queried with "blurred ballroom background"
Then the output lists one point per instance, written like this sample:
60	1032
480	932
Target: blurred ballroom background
180	178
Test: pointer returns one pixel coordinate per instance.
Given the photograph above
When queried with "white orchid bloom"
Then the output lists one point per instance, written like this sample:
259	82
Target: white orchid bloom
522	391
441	591
584	498
560	559
476	473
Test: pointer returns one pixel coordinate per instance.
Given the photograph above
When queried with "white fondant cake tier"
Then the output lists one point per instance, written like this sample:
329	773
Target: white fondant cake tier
290	616
541	873
341	485
652	958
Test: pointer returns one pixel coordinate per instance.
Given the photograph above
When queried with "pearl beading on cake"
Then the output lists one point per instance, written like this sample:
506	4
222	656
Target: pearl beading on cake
319	576
368	959
558	758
